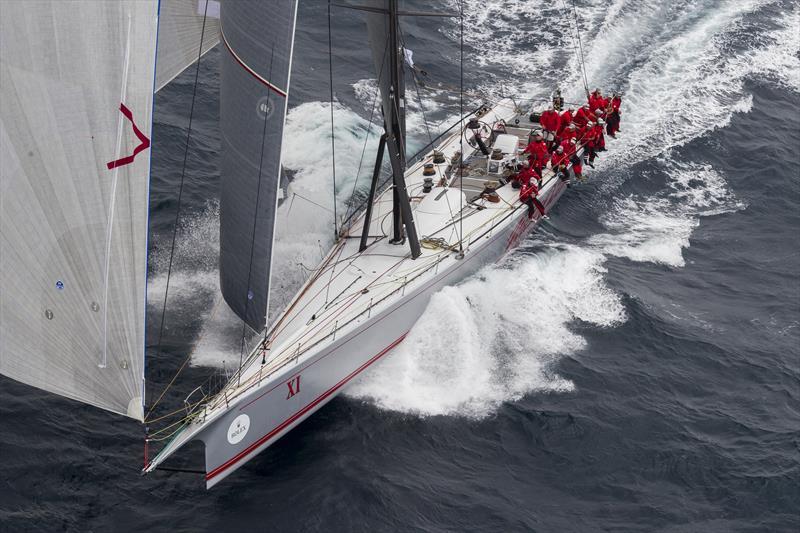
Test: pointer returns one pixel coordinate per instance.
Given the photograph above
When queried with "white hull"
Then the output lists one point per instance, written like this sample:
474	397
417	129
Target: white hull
352	313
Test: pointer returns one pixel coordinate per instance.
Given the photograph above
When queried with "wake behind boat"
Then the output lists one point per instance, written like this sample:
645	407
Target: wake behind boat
469	198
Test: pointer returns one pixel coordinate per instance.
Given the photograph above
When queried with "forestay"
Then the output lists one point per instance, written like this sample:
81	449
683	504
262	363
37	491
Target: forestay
180	30
76	85
258	38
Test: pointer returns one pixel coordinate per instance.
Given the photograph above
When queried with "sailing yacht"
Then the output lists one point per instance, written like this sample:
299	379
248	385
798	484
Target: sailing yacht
74	124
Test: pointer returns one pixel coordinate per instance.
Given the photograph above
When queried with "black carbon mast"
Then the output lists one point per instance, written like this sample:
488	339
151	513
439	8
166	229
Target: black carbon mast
383	18
383	27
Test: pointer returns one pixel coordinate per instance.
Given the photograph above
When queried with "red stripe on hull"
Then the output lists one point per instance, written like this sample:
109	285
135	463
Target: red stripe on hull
238	457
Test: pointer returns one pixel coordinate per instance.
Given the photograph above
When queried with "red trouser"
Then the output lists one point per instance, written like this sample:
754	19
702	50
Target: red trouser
613	123
530	201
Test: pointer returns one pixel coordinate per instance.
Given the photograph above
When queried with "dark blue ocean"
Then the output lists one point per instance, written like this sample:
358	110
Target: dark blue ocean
634	366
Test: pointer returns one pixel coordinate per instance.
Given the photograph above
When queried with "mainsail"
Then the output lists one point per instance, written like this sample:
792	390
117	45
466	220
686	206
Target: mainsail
256	64
76	87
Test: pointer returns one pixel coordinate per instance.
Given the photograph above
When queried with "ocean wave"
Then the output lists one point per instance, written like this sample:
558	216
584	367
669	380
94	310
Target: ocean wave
493	338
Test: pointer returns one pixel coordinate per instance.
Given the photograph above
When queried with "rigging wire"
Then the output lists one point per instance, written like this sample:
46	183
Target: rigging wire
178	213
580	48
461	114
351	202
248	296
333	138
416	87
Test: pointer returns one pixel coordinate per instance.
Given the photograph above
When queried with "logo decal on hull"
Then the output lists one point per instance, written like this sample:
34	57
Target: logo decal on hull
238	429
294	386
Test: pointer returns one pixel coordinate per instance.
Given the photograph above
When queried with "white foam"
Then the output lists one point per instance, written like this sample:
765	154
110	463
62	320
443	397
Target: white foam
493	338
687	82
304	231
657	228
779	59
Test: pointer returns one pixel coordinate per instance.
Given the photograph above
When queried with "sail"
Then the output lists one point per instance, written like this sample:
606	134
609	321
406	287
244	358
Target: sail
180	29
76	92
256	63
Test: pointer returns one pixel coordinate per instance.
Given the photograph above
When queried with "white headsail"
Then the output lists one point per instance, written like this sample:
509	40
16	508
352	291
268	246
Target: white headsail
76	93
180	29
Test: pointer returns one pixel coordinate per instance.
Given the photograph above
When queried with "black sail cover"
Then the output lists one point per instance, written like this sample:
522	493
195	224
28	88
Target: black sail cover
256	64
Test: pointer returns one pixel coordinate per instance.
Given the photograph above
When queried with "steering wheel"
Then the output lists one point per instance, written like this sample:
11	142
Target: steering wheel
485	132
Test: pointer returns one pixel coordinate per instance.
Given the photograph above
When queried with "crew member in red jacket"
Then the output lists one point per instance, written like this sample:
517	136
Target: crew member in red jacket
594	143
527	195
613	117
550	121
599	137
582	116
538	161
568	133
583	134
570	150
566	119
525	175
596	101
559	163
536	146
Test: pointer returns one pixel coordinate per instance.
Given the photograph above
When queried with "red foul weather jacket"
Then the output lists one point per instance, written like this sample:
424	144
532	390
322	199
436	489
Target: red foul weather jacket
568	134
550	120
525	175
528	191
582	116
539	148
569	148
597	102
565	120
559	159
595	137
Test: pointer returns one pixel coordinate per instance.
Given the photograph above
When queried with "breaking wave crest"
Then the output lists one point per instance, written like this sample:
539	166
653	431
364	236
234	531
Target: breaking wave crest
657	228
493	338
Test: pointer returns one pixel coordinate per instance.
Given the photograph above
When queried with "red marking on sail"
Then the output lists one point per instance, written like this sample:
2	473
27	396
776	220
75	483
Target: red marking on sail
144	142
249	70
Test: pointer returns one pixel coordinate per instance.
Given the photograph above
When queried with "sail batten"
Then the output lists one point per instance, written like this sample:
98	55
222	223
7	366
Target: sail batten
73	196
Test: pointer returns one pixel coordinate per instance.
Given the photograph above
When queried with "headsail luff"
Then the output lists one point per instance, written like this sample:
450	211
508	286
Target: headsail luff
258	38
75	115
180	27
